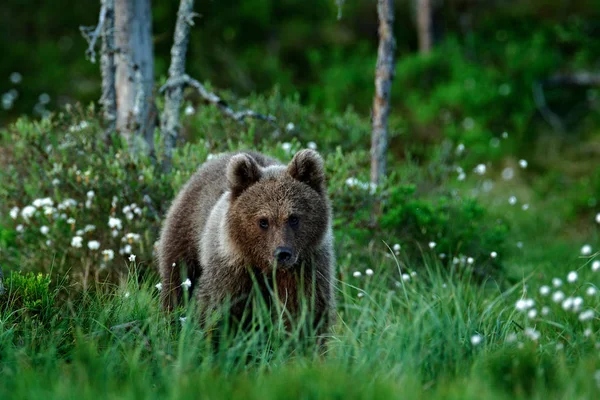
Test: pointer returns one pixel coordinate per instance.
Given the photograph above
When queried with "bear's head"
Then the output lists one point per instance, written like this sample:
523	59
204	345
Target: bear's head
277	214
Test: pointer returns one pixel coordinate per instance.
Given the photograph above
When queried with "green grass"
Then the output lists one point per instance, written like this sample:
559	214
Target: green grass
413	341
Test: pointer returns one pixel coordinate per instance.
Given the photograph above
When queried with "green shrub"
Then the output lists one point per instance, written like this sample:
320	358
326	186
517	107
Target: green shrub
26	292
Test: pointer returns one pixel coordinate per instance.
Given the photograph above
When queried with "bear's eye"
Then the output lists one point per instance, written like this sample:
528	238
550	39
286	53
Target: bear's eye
293	220
263	223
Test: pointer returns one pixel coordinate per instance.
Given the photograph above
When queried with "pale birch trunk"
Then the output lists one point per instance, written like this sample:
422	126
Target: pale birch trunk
134	69
384	74
425	25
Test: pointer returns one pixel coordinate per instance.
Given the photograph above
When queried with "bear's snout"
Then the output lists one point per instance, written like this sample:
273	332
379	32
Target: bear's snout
283	256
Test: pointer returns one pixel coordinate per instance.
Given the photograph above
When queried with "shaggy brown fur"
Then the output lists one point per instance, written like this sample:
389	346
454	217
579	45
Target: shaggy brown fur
244	216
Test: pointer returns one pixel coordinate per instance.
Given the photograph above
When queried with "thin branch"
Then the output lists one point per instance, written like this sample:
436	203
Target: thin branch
91	34
239	116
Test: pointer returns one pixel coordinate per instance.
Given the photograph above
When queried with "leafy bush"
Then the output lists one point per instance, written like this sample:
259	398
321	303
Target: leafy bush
29	293
82	206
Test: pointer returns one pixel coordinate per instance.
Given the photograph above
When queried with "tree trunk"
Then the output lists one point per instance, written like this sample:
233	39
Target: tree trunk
134	70
174	95
384	73
108	100
425	25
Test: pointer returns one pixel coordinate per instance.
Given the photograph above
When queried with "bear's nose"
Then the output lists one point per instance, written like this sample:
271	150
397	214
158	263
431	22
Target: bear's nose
283	254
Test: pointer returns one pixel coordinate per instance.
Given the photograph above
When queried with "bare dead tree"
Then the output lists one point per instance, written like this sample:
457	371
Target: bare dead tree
108	100
104	30
425	25
128	73
174	94
134	69
178	80
384	74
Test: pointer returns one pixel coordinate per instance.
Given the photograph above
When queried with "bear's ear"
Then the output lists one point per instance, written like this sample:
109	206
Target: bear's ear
307	167
242	172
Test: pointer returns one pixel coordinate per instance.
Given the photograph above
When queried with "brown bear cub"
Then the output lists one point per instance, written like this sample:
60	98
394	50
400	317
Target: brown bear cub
246	221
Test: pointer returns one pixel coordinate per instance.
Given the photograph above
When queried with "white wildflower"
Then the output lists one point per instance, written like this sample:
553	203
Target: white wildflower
290	127
76	241
587	332
132	258
532	334
46	201
108	254
572	277
311	145
598	218
405	277
523	163
27	212
567	303
577	303
545	290
596	266
545	310
90	194
532	313
187	283
93	245
508	173
480	169
556	282
586	315
71	221
511	337
127	294
525	207
14	212
89	228
432	245
591	291
189	110
470	260
524	304
55	182
493	254
369	272
19	228
158	286
131	238
44	230
357	274
396	248
115	223
558	296
287	147
360	294
512	200
586	250
476	340
181	319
